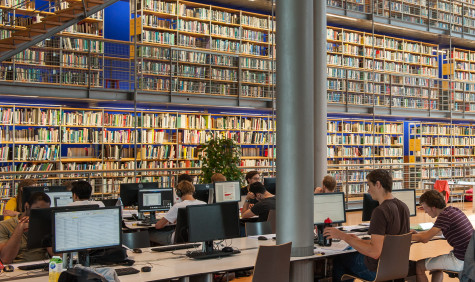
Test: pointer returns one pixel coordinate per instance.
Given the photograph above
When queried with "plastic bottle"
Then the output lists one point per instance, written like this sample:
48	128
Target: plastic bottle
327	241
55	268
119	204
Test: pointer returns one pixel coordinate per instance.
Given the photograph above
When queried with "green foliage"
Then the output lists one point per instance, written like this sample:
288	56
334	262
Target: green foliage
220	155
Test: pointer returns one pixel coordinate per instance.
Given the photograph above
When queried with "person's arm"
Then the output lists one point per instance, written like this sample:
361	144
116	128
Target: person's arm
10	249
161	223
425	236
247	214
371	248
318	190
247	204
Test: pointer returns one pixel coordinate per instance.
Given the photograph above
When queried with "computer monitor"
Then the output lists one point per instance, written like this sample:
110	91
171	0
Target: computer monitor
212	222
202	192
329	205
129	192
152	200
269	183
59	195
408	196
39	227
368	206
227	191
86	229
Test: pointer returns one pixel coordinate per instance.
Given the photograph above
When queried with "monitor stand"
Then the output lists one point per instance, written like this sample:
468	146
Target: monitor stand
83	259
151	220
207	247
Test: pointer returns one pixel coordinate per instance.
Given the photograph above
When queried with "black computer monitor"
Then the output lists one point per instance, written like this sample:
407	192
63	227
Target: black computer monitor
152	200
86	229
202	192
269	183
39	227
212	222
408	196
59	195
129	192
329	205
368	206
227	191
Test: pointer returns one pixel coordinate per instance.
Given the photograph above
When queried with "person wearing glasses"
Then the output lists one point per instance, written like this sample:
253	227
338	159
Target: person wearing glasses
251	177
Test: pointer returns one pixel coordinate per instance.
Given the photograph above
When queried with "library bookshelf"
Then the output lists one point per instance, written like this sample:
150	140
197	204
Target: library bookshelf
73	57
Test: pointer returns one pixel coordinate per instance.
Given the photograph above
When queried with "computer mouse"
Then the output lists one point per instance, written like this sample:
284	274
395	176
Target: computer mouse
146	269
227	249
8	268
262	238
341	228
137	251
366	238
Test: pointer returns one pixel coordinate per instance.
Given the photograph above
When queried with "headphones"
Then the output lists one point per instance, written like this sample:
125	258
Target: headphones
178	192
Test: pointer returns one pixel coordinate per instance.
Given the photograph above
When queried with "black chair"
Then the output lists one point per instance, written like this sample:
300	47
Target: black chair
140	239
258	228
109	202
181	229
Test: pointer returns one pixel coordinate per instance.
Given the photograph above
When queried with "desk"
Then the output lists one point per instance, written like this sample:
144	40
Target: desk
168	265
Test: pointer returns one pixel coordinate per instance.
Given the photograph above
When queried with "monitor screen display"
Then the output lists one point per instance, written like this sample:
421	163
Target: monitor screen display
155	200
270	184
129	192
30	190
329	205
202	192
227	191
86	229
39	226
213	222
408	196
60	199
368	206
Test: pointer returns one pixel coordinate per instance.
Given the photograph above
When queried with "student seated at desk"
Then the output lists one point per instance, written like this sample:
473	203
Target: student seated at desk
251	177
82	191
14	206
13	236
218	177
390	217
185	191
265	202
328	185
455	227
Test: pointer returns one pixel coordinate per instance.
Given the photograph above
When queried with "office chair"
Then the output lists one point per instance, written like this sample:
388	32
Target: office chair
443	187
258	228
273	263
271	217
139	239
394	260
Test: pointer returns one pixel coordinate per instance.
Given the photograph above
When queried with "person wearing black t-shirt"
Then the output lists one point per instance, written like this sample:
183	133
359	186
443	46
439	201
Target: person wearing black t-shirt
265	202
251	177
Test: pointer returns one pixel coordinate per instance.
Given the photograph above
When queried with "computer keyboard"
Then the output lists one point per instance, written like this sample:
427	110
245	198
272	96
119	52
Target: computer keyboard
363	229
43	265
214	254
126	271
175	247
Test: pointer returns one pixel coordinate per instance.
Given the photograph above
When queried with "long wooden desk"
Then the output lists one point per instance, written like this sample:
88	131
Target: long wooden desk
169	265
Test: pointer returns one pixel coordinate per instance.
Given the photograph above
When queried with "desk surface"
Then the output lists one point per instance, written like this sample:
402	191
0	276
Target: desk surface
168	265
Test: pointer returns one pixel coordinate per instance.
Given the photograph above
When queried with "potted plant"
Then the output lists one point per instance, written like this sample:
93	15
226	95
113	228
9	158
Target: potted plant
220	155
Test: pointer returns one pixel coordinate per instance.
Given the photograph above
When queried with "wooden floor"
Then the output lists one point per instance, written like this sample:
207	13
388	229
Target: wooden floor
419	250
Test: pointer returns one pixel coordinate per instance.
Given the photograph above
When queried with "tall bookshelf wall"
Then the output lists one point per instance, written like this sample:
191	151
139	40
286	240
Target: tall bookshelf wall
362	143
60	139
204	49
72	58
367	68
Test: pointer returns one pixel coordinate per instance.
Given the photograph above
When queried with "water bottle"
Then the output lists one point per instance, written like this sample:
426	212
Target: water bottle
327	241
55	268
119	204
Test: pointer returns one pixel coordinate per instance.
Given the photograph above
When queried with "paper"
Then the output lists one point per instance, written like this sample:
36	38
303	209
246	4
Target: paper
423	226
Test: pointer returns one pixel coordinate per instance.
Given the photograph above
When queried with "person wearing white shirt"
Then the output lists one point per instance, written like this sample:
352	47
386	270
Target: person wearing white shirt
82	191
184	190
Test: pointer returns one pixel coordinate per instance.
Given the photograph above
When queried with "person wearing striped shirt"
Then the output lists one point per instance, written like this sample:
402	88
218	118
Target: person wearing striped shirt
455	227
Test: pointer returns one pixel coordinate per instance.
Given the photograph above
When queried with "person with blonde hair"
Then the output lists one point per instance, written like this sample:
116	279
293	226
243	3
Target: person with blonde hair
14	206
218	177
184	190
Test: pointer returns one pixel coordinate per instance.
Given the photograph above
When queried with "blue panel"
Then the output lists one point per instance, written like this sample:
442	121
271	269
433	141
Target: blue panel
406	138
116	21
